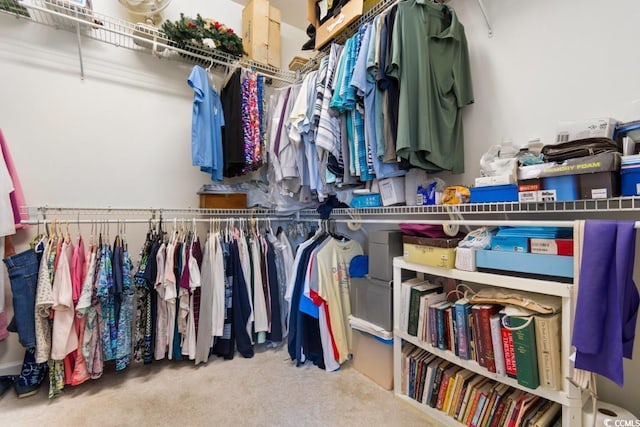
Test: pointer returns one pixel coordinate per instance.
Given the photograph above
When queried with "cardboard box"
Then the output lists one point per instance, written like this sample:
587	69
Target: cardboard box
223	200
261	32
351	11
495	180
590	128
602	185
392	191
373	357
552	246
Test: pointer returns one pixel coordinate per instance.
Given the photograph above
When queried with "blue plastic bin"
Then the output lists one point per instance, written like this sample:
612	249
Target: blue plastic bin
630	181
494	193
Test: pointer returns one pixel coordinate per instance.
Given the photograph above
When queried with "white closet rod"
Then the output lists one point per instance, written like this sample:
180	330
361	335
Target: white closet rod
152	220
473	223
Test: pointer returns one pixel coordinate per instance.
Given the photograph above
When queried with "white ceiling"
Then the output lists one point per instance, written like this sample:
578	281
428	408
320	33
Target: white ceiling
294	12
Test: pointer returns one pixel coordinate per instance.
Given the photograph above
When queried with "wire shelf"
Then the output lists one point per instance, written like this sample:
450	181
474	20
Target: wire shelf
64	15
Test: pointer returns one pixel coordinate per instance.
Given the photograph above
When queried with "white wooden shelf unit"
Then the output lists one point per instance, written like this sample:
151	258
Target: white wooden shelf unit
570	397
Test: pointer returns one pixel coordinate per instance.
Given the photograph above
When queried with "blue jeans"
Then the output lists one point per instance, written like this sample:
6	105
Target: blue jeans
23	274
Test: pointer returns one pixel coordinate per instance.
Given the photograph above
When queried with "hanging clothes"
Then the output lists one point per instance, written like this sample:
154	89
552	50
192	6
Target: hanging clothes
206	127
428	36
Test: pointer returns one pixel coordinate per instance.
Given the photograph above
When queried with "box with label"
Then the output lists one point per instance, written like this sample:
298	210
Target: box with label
392	190
372	300
528	196
590	128
630	181
510	243
384	245
433	252
373	357
261	32
540	266
552	246
341	19
485	181
601	185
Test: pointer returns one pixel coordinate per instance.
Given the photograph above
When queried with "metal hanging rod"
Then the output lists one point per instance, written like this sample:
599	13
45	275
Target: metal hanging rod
149	220
84	211
472	223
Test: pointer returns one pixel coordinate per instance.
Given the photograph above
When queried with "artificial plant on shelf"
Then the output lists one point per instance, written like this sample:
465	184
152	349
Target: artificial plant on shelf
205	32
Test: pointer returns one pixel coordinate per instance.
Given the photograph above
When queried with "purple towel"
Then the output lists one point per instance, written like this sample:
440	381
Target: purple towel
607	305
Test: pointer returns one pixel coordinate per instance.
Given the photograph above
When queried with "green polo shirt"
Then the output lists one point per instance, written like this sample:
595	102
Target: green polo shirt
430	59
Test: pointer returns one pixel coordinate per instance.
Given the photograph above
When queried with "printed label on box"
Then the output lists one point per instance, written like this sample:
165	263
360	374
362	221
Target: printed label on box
599	193
544	246
527	196
547	195
638	188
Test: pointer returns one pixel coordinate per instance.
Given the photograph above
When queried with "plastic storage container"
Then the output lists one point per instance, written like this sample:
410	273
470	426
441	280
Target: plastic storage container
630	181
372	300
494	193
373	357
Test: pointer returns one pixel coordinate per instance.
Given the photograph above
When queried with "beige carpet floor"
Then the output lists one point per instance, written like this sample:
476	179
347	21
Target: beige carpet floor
267	390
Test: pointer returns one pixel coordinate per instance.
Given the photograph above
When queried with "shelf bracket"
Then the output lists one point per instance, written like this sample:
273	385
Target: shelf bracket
79	48
486	17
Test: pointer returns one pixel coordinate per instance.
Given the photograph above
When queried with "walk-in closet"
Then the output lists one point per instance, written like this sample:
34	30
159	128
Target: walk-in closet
320	213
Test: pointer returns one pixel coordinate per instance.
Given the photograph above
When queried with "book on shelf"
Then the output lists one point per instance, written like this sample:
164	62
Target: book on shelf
409	352
462	309
499	392
534	410
469	393
496	341
450	328
548	331
472	401
473	348
441	324
524	347
482	314
526	402
421	375
501	406
507	347
429	328
510	402
433	398
479	403
490	404
414	304
463	378
548	416
445	385
429	380
405	299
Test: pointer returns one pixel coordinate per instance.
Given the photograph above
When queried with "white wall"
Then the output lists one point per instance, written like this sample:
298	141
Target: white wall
121	136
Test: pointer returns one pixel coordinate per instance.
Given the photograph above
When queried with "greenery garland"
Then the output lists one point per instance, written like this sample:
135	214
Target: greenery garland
207	32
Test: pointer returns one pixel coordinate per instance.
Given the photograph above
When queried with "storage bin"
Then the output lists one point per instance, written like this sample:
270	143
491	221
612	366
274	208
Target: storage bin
547	267
223	200
372	300
494	193
384	245
373	357
630	182
366	201
430	251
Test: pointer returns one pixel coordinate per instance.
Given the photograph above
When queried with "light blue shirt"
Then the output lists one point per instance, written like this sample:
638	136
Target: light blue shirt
206	125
